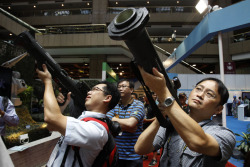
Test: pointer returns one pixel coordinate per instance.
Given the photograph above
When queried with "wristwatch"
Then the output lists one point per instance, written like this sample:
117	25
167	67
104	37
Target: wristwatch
166	103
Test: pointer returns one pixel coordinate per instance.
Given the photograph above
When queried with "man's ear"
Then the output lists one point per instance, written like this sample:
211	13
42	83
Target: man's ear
219	109
107	98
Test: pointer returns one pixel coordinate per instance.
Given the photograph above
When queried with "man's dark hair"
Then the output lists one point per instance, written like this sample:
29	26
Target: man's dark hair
222	89
131	83
111	89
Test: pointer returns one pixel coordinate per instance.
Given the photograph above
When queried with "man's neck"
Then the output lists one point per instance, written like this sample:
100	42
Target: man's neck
125	100
198	118
98	110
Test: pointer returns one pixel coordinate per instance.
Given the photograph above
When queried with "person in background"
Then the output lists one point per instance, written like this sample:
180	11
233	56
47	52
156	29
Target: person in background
134	96
195	139
90	137
183	99
241	101
142	99
130	114
8	115
235	105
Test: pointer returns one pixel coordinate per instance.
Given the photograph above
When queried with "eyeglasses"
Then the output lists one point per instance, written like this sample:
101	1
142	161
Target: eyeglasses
96	89
208	93
122	86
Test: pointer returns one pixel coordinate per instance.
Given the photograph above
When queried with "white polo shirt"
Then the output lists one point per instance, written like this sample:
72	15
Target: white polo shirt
90	136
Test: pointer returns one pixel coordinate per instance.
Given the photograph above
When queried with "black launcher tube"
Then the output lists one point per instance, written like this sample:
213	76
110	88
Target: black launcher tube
129	26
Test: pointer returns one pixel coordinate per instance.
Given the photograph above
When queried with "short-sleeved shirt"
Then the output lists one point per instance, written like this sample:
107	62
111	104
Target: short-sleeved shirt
176	153
10	117
125	142
90	136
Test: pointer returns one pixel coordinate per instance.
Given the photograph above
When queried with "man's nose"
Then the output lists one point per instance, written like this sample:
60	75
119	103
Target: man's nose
201	94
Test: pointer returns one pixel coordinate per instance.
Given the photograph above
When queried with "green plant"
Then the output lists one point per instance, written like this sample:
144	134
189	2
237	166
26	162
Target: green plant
244	146
26	95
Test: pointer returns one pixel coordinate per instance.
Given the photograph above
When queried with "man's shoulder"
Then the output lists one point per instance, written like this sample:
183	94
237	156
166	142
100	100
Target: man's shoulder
215	128
137	102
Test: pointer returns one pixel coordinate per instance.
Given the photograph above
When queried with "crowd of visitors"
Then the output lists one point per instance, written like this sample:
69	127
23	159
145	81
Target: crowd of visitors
192	132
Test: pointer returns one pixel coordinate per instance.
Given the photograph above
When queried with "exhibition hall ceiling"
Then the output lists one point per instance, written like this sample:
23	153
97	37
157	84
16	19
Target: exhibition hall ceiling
154	30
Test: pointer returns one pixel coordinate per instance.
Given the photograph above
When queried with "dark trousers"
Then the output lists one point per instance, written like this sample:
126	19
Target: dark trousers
130	163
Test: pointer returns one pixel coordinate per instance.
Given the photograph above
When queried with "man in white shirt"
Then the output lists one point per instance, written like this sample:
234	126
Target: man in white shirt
90	136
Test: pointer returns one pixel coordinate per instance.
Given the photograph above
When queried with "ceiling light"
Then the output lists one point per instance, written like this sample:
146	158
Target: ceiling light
88	3
147	2
10	34
211	72
178	2
117	68
194	65
34	6
202	6
120	73
120	64
9	7
62	4
116	3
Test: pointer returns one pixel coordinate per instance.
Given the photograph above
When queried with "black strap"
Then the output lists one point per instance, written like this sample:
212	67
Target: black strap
65	156
76	149
76	156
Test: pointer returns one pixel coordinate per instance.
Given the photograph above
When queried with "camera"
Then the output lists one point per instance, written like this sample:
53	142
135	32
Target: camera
114	127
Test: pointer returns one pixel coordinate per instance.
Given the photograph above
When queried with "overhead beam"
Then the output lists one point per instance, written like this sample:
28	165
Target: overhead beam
228	19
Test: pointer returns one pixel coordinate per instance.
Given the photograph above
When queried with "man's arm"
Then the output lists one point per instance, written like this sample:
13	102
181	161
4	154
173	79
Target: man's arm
52	114
136	115
144	144
148	120
127	124
10	117
189	130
